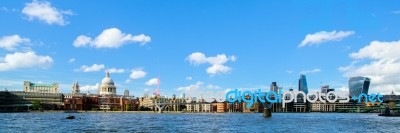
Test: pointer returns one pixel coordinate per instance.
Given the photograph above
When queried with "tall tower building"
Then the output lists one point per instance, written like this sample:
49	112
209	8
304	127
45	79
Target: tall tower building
358	85
107	86
274	87
75	88
126	93
303	84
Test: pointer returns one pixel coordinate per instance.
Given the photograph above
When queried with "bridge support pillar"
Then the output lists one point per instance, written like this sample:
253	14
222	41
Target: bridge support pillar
267	109
160	108
267	112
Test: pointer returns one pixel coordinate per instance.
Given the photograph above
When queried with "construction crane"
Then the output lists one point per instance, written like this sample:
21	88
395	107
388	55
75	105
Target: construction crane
156	91
291	87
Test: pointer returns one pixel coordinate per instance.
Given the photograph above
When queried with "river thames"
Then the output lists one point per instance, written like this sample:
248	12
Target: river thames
211	122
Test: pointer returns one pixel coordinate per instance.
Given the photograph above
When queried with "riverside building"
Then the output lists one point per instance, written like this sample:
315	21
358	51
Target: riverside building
41	87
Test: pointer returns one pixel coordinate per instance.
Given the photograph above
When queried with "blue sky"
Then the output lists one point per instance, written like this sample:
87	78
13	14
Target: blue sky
257	42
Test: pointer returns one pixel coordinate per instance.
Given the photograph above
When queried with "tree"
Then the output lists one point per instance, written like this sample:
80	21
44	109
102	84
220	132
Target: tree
143	108
35	105
127	107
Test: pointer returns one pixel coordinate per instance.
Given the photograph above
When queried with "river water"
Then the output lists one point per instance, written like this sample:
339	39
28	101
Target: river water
211	122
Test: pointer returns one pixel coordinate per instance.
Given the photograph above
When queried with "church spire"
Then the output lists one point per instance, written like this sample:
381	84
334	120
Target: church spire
75	87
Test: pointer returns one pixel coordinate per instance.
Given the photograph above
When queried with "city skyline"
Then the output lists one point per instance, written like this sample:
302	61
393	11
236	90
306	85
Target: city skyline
199	47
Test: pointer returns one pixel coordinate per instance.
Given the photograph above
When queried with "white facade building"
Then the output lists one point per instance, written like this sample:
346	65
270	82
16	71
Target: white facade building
40	87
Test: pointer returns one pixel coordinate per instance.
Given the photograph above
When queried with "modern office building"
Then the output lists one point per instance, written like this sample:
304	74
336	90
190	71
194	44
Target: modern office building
40	87
274	87
358	85
107	86
325	89
12	99
126	93
303	84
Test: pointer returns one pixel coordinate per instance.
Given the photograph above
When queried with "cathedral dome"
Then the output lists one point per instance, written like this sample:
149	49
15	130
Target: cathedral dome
107	86
107	80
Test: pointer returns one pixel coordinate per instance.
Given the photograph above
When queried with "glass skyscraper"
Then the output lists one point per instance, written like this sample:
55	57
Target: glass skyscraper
358	85
303	84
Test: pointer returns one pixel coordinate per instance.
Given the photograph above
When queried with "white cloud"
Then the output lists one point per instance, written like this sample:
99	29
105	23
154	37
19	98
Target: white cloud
82	41
87	88
217	68
24	60
110	38
310	71
324	36
137	74
71	60
93	68
43	11
233	58
191	87
227	90
342	90
378	50
210	86
216	62
379	61
289	71
396	12
153	81
11	43
116	70
189	78
142	39
4	9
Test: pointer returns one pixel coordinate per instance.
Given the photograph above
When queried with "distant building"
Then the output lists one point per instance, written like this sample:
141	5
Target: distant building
358	85
303	84
40	87
176	104
199	106
107	86
274	87
275	106
146	102
126	93
221	107
325	89
319	106
74	101
13	99
75	88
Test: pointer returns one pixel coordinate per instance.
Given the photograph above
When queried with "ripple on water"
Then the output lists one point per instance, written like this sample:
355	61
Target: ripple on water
213	122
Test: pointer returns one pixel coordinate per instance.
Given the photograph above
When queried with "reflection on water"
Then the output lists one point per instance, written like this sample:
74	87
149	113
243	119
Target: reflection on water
213	122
